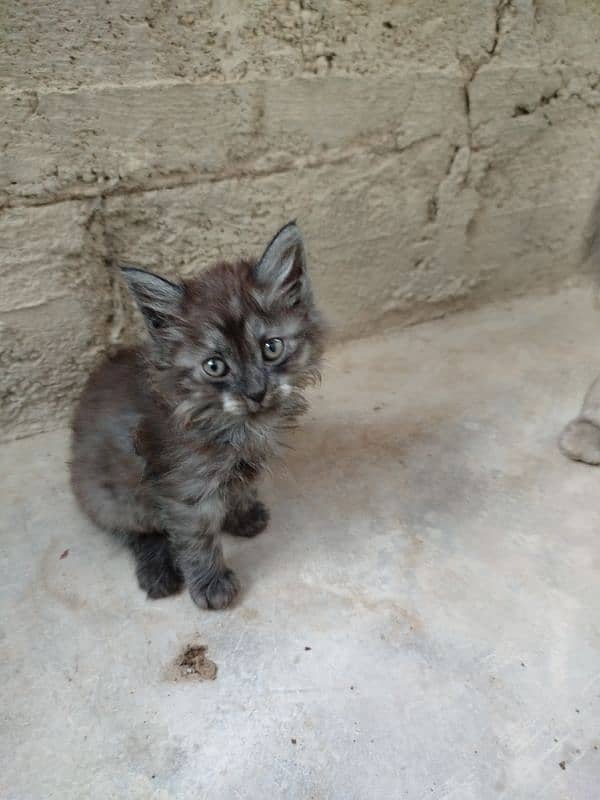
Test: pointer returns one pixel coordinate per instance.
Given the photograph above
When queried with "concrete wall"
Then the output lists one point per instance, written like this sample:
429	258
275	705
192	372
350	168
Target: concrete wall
436	153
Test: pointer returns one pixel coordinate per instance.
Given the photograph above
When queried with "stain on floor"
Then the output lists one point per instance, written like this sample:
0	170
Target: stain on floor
193	664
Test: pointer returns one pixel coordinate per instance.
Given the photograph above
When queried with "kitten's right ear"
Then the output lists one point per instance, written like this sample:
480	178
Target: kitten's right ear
158	299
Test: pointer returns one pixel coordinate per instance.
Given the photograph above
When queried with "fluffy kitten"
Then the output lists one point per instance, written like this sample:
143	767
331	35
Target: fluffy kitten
168	438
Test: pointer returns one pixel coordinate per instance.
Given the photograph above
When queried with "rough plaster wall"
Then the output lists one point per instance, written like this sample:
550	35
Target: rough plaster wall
435	153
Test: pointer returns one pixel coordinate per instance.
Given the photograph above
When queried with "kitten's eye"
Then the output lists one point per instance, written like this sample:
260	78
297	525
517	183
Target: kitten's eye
273	349
215	367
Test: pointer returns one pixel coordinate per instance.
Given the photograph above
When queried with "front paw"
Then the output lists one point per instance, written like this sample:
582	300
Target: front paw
158	583
219	593
580	440
249	522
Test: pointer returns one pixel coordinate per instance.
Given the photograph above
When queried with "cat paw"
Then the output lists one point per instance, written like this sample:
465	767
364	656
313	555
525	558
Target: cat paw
219	593
249	522
580	441
156	571
159	579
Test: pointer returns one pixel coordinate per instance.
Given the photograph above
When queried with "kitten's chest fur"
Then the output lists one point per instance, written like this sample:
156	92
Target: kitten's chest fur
191	467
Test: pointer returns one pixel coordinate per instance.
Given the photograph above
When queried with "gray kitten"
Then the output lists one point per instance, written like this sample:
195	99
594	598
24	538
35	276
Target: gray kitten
169	437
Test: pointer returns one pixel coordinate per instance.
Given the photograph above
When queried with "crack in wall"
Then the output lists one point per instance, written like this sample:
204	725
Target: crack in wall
522	109
473	68
563	93
382	145
433	205
499	14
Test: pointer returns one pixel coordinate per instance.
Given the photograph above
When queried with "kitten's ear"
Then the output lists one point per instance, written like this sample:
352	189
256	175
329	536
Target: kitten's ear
282	269
159	300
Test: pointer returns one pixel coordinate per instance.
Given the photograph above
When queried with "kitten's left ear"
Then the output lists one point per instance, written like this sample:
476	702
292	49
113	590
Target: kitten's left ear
282	269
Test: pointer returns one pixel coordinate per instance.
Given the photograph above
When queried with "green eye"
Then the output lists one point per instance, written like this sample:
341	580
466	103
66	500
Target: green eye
273	349
215	367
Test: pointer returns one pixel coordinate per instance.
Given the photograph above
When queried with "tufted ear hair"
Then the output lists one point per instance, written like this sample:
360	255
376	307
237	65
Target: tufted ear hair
282	270
158	299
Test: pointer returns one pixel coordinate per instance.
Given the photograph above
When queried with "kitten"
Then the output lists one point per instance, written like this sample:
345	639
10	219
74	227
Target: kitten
580	440
169	437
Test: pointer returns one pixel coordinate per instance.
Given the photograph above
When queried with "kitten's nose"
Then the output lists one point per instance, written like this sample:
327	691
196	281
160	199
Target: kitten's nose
258	395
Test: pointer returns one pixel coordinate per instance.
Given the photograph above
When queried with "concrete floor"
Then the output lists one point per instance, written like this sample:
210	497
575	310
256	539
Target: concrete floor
421	619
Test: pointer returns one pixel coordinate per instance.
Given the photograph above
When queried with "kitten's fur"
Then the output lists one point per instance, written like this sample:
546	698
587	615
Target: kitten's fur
167	454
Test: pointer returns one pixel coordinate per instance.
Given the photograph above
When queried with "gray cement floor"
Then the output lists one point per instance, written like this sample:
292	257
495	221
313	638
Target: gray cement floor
421	619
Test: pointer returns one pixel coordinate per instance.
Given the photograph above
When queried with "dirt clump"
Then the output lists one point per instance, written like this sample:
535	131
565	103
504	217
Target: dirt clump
193	664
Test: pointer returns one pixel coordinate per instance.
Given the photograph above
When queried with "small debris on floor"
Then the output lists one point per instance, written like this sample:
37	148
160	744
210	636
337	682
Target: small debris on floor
193	664
562	765
64	554
308	648
293	741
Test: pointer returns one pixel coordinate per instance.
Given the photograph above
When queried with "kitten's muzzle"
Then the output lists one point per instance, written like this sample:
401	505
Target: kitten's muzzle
254	389
257	395
255	404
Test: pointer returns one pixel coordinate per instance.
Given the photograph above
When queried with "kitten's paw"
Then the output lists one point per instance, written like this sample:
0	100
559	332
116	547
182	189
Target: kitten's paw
219	593
156	572
249	522
159	579
580	440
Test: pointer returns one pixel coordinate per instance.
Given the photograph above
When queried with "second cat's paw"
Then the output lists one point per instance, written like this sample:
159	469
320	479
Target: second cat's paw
580	440
249	522
219	593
